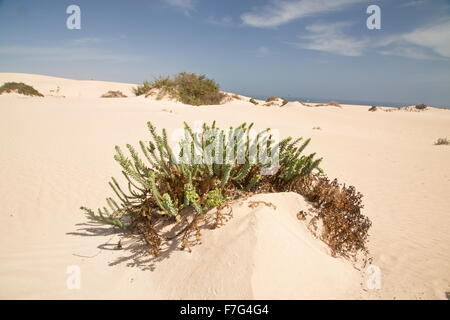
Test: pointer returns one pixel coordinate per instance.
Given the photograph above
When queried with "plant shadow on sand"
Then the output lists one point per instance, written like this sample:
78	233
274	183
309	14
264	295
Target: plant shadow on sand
136	252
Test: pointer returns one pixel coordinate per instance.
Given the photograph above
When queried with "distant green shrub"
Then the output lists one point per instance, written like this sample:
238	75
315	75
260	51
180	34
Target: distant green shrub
162	82
21	88
331	103
114	94
197	89
188	88
334	104
269	99
165	86
273	99
252	100
373	108
442	141
145	88
421	106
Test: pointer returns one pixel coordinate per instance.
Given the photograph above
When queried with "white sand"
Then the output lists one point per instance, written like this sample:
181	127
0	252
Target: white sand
56	154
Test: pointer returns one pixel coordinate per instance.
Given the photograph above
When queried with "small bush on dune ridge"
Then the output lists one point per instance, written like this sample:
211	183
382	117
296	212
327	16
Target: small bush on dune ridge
197	90
442	141
417	108
273	99
269	99
143	89
164	192
373	108
421	106
21	88
334	104
331	103
114	94
188	88
228	97
252	100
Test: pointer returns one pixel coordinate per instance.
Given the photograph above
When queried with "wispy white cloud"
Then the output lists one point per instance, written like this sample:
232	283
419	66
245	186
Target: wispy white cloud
262	51
331	38
279	12
65	54
408	52
436	38
259	52
226	21
85	41
430	42
413	3
184	5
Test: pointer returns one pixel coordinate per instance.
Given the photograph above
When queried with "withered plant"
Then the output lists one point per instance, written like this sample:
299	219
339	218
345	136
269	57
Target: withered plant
338	207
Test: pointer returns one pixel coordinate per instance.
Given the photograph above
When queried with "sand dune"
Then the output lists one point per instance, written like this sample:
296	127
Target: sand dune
68	88
56	154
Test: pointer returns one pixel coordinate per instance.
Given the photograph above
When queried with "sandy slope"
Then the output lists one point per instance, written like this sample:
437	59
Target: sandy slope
56	154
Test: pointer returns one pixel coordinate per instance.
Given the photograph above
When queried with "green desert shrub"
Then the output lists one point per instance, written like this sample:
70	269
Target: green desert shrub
273	99
270	99
114	94
169	193
442	141
334	104
253	100
373	108
165	86
142	89
21	88
162	82
421	106
188	88
197	89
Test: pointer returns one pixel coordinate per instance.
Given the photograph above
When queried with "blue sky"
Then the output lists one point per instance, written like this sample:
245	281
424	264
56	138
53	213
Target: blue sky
302	48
